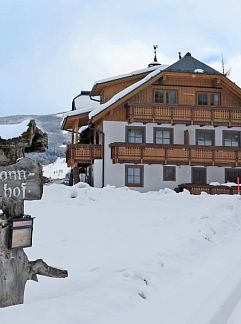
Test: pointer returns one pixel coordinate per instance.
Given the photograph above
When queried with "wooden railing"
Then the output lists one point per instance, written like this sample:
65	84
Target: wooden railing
181	114
175	154
83	153
197	189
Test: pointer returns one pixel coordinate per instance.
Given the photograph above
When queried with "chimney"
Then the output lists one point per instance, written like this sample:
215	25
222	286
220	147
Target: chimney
180	55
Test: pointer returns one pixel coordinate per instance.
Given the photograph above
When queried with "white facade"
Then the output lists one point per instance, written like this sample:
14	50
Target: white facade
114	174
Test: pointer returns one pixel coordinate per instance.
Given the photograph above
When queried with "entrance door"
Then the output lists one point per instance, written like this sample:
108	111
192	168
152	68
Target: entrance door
199	175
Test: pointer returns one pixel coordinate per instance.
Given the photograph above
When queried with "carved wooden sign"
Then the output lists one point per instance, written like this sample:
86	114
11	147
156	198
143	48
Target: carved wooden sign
22	180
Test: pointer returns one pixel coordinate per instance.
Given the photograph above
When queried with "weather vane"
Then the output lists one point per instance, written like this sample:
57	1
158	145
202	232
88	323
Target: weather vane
155	48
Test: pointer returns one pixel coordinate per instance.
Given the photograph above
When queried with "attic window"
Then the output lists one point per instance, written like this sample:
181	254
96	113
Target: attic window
165	97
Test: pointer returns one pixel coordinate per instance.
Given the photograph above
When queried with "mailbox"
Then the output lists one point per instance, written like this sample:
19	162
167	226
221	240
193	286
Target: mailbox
21	232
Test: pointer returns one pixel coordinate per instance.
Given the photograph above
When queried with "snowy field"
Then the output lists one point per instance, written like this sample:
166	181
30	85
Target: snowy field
157	257
56	170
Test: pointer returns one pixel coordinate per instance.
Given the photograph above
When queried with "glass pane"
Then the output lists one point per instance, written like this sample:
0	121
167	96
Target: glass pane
169	173
163	136
231	139
135	136
134	176
202	99
171	97
205	138
137	172
232	174
159	97
130	171
215	99
136	180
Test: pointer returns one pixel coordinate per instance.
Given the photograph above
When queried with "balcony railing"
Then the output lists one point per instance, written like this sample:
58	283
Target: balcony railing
197	189
181	114
83	153
175	154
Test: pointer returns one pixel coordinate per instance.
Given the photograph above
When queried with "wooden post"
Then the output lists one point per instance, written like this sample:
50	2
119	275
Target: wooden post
19	180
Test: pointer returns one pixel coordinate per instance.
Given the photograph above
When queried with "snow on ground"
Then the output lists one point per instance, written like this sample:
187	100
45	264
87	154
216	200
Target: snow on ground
56	170
15	130
156	257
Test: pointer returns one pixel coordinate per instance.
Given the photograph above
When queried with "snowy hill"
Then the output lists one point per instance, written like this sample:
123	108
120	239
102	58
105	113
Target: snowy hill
49	124
56	170
156	257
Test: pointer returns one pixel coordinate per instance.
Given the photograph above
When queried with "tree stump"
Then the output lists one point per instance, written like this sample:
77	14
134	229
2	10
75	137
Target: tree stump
15	268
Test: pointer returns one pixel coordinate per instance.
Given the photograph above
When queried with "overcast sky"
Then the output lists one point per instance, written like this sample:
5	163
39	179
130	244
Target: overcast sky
53	49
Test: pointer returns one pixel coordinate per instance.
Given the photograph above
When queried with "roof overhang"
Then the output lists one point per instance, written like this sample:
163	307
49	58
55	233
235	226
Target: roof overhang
70	122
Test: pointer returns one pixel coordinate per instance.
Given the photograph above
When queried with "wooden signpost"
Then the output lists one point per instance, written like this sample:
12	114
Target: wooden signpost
20	180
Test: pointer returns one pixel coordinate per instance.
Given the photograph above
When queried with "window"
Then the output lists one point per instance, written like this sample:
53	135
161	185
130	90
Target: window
214	99
134	175
171	97
199	175
165	97
169	173
205	99
231	138
159	97
135	135
205	137
202	99
163	135
231	175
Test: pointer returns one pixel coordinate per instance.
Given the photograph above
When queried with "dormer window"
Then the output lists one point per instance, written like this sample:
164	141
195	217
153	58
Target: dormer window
165	97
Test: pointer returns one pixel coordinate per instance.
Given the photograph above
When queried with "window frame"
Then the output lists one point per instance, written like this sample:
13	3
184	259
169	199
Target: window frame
232	169
165	177
219	99
155	129
198	168
228	132
129	184
199	131
202	93
142	128
209	94
165	91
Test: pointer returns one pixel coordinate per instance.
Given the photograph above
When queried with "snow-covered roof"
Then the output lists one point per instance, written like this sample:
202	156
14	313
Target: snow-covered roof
133	73
13	130
83	101
125	92
83	105
83	128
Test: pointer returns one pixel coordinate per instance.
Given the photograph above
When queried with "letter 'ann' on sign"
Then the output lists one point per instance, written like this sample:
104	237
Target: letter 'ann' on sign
22	180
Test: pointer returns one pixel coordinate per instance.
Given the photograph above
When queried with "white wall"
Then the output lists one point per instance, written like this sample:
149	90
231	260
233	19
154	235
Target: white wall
153	174
97	170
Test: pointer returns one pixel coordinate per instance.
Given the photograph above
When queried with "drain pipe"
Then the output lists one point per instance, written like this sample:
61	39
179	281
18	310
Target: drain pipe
103	160
91	98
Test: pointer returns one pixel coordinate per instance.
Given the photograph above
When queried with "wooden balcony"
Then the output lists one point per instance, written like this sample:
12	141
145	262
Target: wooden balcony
83	153
181	114
176	154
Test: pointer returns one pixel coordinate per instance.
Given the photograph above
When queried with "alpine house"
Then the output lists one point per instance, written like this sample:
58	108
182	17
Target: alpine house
158	127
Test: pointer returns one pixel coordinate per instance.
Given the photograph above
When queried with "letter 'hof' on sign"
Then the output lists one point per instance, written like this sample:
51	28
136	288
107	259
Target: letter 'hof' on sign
22	180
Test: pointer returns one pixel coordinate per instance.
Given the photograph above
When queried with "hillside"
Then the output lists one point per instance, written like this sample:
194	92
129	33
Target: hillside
51	125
